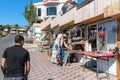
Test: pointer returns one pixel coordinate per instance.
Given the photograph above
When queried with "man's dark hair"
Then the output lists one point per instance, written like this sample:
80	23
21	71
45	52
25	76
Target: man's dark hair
19	38
65	33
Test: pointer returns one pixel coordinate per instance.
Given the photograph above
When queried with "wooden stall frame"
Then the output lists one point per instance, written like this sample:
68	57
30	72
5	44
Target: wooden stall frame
118	45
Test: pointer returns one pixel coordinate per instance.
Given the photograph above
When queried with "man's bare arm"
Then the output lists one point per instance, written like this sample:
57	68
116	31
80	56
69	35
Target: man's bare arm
3	62
65	44
58	41
27	70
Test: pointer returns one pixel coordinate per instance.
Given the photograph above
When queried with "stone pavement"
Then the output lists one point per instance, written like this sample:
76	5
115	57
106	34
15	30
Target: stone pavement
43	69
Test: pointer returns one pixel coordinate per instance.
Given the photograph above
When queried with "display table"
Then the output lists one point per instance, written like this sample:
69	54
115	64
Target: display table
67	56
98	56
101	56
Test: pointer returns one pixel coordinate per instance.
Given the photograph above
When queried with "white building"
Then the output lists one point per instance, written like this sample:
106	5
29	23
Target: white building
46	11
48	8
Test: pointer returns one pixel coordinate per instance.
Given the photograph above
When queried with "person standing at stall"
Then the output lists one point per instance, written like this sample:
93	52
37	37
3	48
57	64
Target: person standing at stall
58	51
15	62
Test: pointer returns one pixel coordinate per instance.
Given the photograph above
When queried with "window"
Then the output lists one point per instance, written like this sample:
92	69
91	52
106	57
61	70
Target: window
51	11
39	11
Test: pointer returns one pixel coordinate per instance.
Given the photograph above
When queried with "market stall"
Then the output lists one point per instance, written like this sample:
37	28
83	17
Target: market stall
98	56
100	37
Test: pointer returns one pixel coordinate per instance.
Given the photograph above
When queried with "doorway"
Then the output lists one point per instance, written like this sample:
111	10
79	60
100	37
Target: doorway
92	38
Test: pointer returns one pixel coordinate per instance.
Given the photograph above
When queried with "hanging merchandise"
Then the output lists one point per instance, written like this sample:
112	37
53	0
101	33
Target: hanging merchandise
102	37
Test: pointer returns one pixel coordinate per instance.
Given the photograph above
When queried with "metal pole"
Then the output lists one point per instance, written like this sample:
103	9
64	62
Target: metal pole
108	67
83	65
97	68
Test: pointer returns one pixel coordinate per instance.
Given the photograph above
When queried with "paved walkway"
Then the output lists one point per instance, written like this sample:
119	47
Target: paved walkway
43	69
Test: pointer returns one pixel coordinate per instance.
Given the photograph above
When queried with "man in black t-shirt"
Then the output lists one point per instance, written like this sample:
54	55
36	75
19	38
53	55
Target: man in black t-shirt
15	62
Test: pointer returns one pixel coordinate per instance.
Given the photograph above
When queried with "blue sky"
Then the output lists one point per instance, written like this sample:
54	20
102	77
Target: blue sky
11	11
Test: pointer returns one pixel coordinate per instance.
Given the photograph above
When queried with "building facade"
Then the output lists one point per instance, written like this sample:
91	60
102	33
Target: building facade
48	8
46	11
96	21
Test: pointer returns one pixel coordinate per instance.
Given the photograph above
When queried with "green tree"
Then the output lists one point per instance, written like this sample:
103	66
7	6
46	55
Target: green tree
30	14
1	27
8	27
16	26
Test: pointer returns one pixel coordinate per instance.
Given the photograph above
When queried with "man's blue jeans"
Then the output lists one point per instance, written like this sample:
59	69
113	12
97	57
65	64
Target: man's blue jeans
65	59
14	78
60	50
